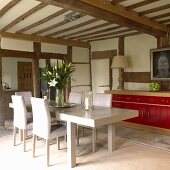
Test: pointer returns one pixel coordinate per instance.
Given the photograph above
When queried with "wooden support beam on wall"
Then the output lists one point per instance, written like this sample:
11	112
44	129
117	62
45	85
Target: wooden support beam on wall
17	54
35	69
137	77
36	38
0	66
45	55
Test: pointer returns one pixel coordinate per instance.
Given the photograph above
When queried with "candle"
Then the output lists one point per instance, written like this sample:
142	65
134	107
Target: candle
45	97
86	103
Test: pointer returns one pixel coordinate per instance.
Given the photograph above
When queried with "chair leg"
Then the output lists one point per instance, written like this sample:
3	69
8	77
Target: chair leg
47	149
24	139
93	140
65	138
14	136
78	135
21	134
34	143
83	132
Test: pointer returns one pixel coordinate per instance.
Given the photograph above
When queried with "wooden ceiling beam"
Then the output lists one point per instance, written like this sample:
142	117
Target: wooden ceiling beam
161	16
107	34
23	16
159	8
117	1
8	7
113	13
56	14
96	32
73	27
42	39
116	36
139	4
56	25
87	29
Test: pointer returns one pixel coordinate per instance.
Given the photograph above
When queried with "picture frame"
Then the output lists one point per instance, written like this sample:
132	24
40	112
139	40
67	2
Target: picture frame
160	64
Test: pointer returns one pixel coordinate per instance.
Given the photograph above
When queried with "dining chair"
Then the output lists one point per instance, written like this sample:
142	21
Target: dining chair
42	124
21	121
102	100
75	97
27	97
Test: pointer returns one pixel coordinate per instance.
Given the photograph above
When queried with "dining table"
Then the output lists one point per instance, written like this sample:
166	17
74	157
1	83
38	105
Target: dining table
94	118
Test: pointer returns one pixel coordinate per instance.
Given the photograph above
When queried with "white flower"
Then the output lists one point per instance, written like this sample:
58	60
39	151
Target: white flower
52	83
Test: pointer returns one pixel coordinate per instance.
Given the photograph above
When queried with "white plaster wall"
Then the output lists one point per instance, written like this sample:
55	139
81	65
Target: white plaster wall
81	75
104	45
100	68
137	50
80	54
19	45
53	48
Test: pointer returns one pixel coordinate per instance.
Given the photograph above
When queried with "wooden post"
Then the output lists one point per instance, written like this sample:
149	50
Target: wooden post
0	68
48	63
121	70
35	69
68	60
90	58
2	117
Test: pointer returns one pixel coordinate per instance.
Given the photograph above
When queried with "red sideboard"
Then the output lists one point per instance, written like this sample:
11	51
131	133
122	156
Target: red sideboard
153	107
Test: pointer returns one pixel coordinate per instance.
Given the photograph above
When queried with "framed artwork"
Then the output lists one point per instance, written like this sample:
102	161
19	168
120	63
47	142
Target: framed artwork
160	64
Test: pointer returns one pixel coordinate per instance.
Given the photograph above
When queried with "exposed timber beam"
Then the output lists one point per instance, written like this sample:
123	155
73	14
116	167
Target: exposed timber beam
16	53
35	38
113	13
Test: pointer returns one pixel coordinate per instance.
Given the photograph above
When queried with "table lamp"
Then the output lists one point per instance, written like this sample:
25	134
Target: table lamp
120	62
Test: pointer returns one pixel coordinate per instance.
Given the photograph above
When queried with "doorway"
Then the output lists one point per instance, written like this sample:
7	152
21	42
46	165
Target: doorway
25	82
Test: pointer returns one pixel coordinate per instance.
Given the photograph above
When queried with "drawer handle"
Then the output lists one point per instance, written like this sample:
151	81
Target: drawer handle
164	101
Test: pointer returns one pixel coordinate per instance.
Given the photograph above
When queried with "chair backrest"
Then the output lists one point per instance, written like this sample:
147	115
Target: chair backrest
75	97
27	96
102	99
41	117
20	112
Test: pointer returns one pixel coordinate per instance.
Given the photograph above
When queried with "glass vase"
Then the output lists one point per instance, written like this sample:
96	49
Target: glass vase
59	97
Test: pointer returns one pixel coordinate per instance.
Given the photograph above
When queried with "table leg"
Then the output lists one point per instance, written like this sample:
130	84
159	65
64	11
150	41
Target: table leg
71	145
111	137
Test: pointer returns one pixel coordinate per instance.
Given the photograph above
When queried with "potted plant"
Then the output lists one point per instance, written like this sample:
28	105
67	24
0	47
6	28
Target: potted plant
58	76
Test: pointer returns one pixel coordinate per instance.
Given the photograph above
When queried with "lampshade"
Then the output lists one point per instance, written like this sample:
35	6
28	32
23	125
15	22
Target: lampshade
119	62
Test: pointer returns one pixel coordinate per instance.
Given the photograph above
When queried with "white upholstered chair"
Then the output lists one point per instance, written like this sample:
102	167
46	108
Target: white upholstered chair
75	97
27	97
20	118
42	124
102	100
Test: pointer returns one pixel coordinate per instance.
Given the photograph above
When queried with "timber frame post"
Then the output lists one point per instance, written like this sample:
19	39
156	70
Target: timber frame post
68	59
121	70
35	69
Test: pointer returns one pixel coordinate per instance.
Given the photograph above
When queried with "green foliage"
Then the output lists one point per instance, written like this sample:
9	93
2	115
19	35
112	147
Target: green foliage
154	87
61	74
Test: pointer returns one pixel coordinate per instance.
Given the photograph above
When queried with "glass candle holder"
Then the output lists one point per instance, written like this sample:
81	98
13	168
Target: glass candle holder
45	94
87	100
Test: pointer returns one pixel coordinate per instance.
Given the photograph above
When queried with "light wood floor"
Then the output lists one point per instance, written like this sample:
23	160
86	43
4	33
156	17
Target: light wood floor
128	156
